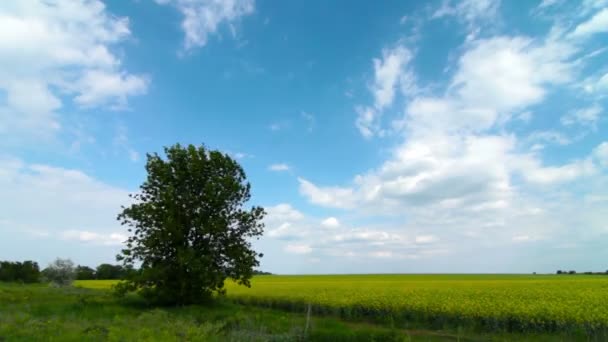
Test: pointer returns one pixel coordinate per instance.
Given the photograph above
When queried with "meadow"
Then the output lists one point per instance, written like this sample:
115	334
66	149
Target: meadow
39	312
529	305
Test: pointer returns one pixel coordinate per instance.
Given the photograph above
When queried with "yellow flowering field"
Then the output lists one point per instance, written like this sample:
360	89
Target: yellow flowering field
523	303
543	303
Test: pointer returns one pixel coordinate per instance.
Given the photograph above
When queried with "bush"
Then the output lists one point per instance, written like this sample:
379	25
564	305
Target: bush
60	272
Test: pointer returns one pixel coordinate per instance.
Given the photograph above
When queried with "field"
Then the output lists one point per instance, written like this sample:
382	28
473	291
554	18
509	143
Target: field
43	313
568	305
520	303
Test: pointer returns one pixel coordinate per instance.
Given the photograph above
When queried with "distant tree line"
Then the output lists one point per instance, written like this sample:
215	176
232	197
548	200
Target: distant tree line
258	272
574	272
21	272
29	271
102	272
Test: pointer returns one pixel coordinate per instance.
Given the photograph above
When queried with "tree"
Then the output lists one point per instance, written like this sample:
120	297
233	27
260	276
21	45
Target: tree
29	272
84	273
60	272
107	271
189	227
25	272
7	271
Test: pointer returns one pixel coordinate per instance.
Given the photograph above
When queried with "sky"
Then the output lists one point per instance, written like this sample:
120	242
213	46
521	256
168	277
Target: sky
381	137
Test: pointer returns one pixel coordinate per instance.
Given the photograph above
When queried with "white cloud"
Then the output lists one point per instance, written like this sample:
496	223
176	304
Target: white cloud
603	82
496	78
283	212
597	24
53	51
62	203
459	167
421	239
549	3
329	196
203	18
116	239
558	174
600	153
505	73
298	249
474	13
279	167
330	222
585	117
284	222
284	231
98	87
521	238
553	137
389	72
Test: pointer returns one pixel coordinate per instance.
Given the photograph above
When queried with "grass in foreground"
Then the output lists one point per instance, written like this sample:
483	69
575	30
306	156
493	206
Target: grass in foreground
43	313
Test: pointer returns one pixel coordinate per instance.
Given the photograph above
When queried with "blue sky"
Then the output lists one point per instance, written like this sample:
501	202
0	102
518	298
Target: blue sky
444	136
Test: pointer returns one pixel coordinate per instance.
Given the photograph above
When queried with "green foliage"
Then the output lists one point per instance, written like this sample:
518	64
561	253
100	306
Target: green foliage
24	272
84	273
109	272
60	272
190	231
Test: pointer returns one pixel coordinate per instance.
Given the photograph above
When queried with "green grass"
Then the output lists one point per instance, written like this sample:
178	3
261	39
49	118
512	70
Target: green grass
43	313
498	304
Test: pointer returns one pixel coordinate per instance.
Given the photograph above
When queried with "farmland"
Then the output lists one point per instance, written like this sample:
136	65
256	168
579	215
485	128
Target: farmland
524	304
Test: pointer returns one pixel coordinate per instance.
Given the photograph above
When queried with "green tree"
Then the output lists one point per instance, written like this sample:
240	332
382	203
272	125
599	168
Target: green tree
24	272
85	273
107	271
190	230
29	272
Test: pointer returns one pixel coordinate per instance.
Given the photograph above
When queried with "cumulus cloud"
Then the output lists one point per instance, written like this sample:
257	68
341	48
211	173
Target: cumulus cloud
57	51
330	222
459	171
58	203
283	212
203	18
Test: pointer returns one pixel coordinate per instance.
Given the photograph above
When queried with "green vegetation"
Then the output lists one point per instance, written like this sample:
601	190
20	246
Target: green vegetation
190	229
24	272
43	313
90	312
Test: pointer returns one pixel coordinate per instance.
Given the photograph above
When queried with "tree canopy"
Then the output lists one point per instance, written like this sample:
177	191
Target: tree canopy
189	228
